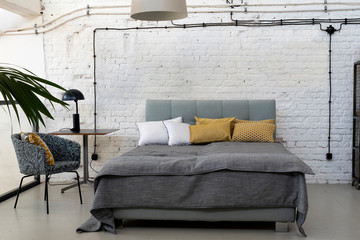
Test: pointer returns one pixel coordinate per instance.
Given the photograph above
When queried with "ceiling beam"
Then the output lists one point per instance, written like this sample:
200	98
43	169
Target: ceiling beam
26	8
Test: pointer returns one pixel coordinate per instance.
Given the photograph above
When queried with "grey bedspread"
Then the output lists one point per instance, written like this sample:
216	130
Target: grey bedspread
217	175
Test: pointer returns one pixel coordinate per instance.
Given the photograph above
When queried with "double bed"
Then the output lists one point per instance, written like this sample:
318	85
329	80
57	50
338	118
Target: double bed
219	181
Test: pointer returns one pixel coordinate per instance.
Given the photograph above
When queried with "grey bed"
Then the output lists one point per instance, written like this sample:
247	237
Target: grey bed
223	181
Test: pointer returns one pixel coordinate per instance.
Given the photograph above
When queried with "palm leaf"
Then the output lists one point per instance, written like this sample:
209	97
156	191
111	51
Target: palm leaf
24	88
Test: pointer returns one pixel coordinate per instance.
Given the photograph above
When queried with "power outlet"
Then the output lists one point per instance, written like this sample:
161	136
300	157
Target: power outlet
329	156
94	157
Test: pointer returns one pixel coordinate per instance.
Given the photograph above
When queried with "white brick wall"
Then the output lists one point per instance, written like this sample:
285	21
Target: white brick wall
289	64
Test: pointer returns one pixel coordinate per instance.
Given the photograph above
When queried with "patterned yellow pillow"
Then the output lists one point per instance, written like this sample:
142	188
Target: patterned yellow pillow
262	121
206	133
253	132
35	139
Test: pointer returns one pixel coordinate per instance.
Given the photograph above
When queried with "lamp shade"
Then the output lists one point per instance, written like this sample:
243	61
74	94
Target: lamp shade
73	95
158	10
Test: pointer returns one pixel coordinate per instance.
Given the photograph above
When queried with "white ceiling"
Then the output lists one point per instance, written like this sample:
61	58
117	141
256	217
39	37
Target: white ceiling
26	8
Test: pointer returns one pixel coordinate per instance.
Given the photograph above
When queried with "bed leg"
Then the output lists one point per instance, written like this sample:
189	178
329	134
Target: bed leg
282	226
119	223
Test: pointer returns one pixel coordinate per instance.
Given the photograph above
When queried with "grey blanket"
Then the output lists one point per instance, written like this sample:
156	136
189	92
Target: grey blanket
144	176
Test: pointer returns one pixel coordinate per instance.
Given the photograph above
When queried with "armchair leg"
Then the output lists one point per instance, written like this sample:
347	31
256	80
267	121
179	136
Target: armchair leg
47	193
19	190
78	182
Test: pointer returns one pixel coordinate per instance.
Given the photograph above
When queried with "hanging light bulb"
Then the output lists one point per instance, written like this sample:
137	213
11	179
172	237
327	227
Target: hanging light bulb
158	10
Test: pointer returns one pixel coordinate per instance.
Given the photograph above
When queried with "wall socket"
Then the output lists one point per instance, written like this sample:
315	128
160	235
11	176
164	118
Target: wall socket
94	157
329	156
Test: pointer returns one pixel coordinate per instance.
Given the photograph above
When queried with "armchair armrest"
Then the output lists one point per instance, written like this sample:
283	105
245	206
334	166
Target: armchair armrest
62	149
31	158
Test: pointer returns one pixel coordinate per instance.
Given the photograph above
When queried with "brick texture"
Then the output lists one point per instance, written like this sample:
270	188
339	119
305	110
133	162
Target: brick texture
286	63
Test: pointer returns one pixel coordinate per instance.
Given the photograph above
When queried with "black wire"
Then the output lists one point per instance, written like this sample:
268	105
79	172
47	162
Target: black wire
331	30
330	93
94	83
92	166
243	23
95	110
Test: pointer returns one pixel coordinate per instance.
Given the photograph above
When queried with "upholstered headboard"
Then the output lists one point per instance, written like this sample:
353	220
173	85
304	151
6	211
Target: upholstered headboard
157	110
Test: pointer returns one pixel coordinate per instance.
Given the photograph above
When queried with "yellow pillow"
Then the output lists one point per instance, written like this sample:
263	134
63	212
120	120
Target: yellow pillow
200	121
262	121
35	139
205	133
253	132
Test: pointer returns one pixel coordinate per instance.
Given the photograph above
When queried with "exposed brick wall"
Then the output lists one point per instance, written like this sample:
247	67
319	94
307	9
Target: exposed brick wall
289	64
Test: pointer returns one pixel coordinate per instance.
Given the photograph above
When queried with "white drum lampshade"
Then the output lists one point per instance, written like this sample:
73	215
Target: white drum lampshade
158	10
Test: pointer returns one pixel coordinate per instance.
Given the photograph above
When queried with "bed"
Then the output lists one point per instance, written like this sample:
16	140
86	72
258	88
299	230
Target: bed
221	181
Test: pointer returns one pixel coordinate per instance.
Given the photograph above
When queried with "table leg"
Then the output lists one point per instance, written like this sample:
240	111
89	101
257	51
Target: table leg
85	166
85	154
86	161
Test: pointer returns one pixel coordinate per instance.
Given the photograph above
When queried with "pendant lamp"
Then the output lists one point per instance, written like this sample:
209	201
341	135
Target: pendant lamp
158	10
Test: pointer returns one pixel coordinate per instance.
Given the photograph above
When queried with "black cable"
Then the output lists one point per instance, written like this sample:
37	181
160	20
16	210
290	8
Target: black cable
330	30
330	93
92	166
235	22
95	110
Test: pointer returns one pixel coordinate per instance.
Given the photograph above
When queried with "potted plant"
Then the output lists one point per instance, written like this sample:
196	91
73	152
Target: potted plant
19	85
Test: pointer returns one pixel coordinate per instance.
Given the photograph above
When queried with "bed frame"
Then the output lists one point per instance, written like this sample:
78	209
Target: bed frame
243	109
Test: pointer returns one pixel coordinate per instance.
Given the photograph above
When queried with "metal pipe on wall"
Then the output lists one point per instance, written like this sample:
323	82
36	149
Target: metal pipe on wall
87	11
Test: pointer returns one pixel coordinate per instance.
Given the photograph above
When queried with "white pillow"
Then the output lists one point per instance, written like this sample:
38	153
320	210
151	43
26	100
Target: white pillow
179	133
154	132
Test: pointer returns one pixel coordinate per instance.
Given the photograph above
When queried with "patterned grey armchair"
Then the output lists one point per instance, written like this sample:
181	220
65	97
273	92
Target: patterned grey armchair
32	159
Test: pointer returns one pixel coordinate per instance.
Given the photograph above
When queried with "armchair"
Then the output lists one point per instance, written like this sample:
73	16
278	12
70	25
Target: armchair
32	159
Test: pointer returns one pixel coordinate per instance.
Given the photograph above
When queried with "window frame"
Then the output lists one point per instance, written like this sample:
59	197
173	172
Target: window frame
35	182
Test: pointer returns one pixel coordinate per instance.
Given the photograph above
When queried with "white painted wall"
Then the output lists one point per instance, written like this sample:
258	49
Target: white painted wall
289	64
24	50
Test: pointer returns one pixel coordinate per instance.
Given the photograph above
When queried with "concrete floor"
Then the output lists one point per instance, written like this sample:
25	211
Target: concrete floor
334	214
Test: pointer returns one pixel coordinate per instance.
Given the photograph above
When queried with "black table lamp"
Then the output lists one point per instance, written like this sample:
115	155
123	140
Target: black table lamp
74	95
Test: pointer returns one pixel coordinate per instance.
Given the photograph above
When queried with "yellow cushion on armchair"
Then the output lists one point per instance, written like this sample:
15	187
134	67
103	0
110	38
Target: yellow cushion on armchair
35	139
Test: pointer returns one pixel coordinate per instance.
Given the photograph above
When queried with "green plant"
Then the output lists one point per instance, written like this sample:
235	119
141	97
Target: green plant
19	85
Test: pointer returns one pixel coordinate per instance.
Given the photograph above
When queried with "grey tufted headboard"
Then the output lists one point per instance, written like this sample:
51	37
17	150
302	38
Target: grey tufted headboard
157	110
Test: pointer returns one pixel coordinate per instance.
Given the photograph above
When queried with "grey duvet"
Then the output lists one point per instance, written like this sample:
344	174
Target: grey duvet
217	175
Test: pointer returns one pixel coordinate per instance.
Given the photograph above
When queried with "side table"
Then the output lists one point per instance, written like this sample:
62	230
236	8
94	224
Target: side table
85	133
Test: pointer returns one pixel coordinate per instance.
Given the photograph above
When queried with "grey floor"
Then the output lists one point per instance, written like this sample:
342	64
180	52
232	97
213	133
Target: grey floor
334	215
